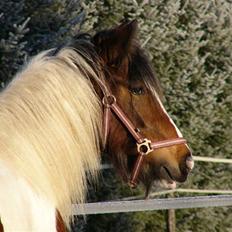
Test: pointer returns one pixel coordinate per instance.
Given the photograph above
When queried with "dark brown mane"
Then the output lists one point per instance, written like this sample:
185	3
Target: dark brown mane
84	47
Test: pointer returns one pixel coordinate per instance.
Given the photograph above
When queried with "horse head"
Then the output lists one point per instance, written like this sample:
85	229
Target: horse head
51	127
131	80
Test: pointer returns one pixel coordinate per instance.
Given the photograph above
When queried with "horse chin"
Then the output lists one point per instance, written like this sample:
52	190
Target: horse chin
159	185
167	184
157	181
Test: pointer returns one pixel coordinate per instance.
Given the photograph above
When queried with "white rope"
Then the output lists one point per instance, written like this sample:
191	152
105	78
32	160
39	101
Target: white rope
207	191
152	204
181	190
196	158
214	160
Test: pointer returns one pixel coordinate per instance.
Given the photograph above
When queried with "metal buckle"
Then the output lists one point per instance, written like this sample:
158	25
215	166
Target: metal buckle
144	148
108	100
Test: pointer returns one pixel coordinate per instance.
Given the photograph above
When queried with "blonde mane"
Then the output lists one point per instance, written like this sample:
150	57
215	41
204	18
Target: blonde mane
50	131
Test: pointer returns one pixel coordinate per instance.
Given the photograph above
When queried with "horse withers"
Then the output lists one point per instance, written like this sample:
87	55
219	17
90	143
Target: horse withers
52	131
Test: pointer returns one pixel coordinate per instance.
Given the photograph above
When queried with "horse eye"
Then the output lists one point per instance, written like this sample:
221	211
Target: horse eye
137	90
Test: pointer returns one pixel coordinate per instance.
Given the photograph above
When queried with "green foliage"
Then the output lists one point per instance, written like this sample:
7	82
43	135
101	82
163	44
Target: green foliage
12	47
29	26
190	45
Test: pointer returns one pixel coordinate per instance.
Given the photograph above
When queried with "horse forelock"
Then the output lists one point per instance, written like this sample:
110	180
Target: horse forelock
51	127
140	69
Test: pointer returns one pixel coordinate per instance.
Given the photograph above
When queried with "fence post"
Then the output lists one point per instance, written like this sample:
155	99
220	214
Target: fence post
171	218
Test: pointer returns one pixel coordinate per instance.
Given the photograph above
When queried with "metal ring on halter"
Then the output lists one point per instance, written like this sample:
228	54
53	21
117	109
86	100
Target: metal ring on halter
108	100
144	148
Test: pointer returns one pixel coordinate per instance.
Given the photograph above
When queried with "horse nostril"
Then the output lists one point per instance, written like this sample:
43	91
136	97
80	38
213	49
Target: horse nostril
189	162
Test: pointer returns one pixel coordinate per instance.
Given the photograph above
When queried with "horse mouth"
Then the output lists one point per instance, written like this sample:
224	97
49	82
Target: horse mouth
167	177
169	174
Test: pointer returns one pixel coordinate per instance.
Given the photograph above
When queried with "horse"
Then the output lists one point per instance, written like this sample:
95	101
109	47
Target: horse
63	109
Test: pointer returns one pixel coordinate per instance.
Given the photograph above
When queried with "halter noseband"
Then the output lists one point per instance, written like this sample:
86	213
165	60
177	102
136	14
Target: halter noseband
144	145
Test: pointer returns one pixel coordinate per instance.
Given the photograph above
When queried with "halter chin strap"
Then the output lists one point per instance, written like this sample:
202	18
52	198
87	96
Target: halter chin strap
144	145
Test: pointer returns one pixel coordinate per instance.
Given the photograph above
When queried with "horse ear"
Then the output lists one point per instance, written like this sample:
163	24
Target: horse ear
114	44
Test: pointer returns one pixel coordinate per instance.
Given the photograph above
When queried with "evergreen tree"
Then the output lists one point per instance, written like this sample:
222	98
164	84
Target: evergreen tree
12	31
29	26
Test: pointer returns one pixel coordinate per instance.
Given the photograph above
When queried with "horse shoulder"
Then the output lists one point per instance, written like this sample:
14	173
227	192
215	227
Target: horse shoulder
20	208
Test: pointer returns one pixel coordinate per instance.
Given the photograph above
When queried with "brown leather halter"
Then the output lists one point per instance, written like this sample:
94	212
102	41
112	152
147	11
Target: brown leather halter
144	145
